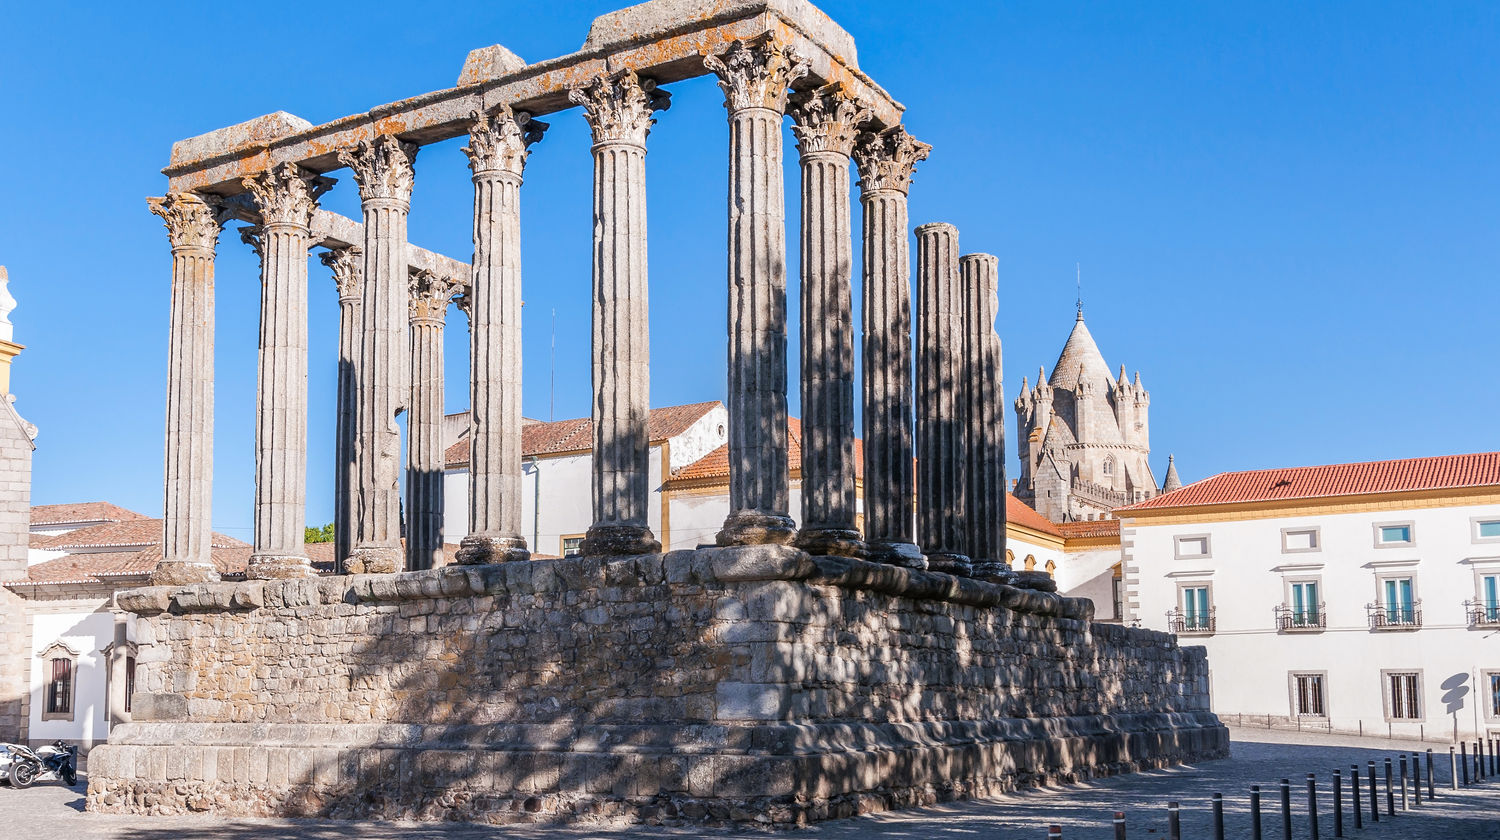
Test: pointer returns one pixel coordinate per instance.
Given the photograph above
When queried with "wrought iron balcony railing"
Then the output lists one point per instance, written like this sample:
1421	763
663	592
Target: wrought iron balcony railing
1291	619
1395	616
1191	624
1482	614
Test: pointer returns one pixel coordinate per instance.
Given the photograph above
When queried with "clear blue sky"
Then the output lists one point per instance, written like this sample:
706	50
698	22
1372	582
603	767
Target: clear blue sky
1287	214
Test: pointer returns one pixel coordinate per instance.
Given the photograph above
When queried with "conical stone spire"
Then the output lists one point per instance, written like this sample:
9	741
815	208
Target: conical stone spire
1172	481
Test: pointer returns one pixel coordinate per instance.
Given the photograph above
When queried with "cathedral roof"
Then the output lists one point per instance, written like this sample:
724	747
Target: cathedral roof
1172	481
1080	353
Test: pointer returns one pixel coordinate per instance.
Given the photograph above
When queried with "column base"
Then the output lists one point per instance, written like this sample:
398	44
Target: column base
277	567
993	571
844	542
479	549
957	565
182	573
374	560
613	540
1038	581
750	527
903	554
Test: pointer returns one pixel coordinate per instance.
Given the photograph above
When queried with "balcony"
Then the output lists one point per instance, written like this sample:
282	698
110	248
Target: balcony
1291	619
1191	624
1482	614
1395	616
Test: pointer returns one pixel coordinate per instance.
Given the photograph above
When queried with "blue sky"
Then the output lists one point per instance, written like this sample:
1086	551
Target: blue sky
1286	213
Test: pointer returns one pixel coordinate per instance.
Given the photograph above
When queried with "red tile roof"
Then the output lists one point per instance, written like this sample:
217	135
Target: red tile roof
1446	472
1090	528
577	435
81	512
1018	512
716	463
136	532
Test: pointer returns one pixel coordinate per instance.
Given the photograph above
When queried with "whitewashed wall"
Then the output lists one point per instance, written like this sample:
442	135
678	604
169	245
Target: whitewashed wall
87	633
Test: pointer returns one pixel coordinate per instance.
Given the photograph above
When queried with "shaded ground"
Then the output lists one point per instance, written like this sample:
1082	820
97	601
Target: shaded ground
1083	811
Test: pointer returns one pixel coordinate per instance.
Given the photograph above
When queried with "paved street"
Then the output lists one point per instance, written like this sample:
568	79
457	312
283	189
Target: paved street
1083	811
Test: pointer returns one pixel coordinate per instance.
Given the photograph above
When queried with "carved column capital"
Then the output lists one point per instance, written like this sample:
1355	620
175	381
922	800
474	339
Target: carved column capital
347	265
826	120
886	159
499	142
383	169
430	295
192	220
618	107
285	195
756	74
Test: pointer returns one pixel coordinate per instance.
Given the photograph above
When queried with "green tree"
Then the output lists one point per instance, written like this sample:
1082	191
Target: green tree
318	535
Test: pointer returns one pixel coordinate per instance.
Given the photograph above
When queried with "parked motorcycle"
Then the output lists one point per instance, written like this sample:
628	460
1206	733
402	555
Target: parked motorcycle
25	767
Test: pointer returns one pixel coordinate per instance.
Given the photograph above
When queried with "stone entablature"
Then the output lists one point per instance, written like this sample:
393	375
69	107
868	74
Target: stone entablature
729	684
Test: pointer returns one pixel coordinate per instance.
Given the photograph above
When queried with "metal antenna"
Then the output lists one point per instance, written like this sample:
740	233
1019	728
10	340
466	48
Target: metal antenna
552	386
1078	267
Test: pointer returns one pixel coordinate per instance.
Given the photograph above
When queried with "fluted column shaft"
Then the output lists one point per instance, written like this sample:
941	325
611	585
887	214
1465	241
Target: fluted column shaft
886	160
286	201
347	265
618	109
825	125
755	79
187	539
430	295
497	155
984	521
942	417
383	170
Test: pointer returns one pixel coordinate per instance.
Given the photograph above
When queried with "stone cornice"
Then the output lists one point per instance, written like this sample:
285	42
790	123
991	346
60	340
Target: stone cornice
192	221
826	120
886	159
347	265
757	74
618	107
286	196
383	168
499	142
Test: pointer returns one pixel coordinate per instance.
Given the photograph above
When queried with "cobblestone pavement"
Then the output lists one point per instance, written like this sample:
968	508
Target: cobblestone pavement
1083	810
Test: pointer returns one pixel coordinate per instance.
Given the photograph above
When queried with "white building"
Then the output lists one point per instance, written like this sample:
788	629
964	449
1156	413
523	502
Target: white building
1352	597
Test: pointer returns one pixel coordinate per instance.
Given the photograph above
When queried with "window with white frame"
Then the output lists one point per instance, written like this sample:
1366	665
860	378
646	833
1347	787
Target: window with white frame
1398	599
59	687
1492	704
1488	608
572	545
1294	540
1192	545
1196	608
1403	695
1486	528
1307	695
1393	534
1303	606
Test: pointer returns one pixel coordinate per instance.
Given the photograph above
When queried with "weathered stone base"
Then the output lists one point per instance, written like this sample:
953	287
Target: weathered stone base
843	542
993	571
618	541
277	567
903	554
177	573
749	527
477	549
374	560
777	775
953	564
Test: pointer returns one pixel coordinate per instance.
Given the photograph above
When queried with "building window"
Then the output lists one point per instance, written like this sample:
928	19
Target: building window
1303	609
60	687
1486	529
1195	545
1030	563
1403	695
1109	466
129	680
1392	534
1486	610
1307	695
1051	568
1493	706
1294	540
572	546
1397	605
1194	613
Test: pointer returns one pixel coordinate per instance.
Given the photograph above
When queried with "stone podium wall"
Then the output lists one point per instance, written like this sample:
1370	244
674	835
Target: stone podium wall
753	684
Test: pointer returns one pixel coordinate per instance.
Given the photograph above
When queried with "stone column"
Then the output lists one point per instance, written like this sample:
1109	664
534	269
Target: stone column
286	199
383	170
886	160
348	267
942	424
497	154
755	78
430	295
618	109
193	226
984	520
825	122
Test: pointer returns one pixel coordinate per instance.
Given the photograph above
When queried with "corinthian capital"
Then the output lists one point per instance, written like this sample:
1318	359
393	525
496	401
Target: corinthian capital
499	142
286	196
430	294
756	75
887	158
348	266
192	220
618	107
826	120
382	168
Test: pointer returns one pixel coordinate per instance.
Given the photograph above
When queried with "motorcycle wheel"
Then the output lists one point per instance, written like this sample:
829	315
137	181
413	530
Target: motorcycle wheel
22	774
69	777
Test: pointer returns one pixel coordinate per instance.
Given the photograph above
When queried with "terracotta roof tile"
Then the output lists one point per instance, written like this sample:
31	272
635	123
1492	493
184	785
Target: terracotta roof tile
1019	513
1094	528
716	463
82	512
136	532
1446	472
539	438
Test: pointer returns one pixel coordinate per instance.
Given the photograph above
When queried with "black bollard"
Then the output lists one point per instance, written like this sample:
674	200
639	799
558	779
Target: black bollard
1286	809
1431	788
1218	816
1478	764
1390	791
1054	833
1255	812
1493	768
1359	810
1416	780
1338	803
1374	794
1463	760
1312	806
1405	804
1119	825
1174	822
